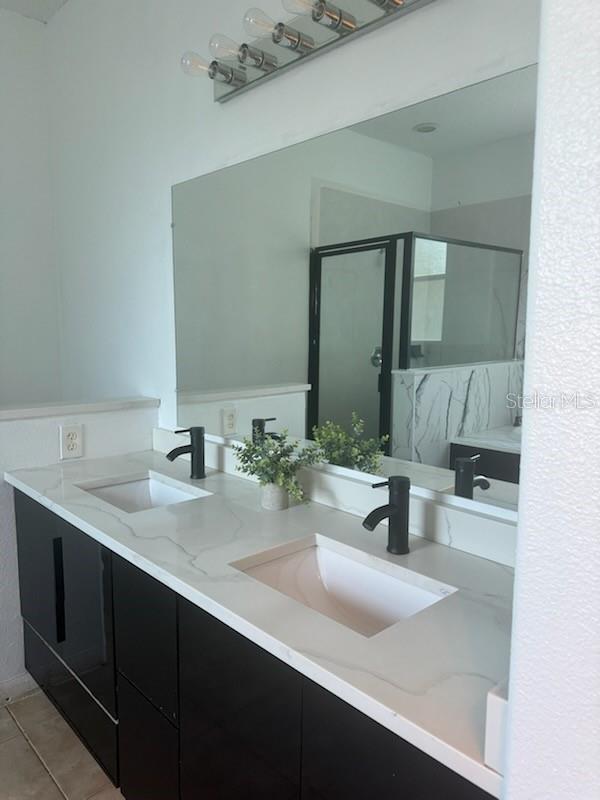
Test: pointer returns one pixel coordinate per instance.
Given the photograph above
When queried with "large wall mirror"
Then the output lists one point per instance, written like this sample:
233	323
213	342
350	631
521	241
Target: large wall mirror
378	272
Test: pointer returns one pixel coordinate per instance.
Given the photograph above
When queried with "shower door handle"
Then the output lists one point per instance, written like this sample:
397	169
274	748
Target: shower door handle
377	357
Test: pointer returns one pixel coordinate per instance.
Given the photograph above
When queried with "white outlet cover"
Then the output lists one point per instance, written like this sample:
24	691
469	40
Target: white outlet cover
228	421
71	441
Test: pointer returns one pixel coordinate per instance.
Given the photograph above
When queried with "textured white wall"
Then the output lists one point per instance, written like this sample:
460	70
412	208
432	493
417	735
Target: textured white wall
127	125
33	443
29	341
554	723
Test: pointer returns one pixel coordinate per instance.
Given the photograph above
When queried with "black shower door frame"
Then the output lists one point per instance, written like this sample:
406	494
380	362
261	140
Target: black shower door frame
317	254
390	245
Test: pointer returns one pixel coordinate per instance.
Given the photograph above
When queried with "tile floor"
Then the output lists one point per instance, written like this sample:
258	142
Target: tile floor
42	759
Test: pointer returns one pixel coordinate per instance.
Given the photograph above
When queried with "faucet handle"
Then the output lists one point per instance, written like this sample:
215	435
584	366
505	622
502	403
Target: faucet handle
380	485
397	484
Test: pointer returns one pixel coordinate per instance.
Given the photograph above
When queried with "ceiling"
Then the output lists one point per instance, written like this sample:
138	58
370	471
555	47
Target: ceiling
481	114
42	10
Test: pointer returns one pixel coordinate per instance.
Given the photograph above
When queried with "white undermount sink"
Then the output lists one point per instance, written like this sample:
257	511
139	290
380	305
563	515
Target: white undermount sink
362	592
144	491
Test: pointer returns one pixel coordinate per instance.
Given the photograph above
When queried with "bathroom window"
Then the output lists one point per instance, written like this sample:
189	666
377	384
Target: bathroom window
429	290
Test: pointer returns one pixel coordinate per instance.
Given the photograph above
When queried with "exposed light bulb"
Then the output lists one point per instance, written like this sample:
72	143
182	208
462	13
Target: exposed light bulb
324	13
257	23
222	46
194	65
299	6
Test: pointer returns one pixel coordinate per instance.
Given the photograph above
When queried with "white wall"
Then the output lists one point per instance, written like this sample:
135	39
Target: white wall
34	443
127	125
29	348
482	174
484	194
554	720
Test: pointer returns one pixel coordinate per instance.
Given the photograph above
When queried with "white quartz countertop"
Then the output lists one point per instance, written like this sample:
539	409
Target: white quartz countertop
425	678
507	439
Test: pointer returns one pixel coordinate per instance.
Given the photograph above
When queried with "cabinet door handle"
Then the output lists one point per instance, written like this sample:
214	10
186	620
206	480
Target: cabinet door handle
59	589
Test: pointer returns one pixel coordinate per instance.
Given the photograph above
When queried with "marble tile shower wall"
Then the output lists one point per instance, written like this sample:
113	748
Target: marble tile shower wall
430	408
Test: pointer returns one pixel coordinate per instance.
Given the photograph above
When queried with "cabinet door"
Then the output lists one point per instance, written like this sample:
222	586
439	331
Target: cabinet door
347	756
146	635
148	748
88	647
41	582
240	715
66	595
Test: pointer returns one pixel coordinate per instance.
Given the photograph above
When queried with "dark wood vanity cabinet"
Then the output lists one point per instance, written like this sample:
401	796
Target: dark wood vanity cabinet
348	756
240	714
65	581
492	463
202	711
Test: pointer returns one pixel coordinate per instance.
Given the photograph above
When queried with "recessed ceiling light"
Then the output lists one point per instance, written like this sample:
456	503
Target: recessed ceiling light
426	127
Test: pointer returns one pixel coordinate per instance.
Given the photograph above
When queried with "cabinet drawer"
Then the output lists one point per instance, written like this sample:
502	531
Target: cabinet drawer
146	635
148	748
95	728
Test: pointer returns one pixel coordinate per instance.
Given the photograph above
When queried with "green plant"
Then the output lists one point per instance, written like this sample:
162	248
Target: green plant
276	461
350	449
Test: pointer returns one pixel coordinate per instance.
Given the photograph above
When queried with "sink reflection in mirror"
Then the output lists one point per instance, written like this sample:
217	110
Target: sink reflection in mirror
379	271
142	492
360	591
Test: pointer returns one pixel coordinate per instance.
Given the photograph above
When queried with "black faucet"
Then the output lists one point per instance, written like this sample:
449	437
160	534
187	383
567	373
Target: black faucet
259	431
465	479
196	448
396	511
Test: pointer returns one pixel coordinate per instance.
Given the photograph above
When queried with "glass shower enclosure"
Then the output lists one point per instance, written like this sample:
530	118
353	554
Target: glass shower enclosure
409	300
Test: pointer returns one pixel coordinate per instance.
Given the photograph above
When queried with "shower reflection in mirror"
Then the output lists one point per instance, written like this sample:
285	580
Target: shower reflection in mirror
378	272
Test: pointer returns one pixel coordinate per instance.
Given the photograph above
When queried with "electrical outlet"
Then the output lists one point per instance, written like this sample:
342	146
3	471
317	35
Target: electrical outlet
228	421
71	441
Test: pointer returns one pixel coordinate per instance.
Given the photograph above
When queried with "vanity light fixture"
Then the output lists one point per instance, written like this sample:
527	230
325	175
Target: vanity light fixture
229	70
324	13
257	23
388	5
195	66
222	47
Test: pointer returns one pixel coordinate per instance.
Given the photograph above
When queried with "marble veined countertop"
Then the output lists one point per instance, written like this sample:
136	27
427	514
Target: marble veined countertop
506	439
425	678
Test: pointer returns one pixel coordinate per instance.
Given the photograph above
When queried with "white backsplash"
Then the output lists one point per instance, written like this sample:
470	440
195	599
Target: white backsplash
287	403
29	438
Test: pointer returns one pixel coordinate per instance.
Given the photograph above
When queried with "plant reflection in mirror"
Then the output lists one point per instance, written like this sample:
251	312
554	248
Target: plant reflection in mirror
350	450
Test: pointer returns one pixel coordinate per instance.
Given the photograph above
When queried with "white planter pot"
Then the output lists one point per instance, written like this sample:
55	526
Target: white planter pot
274	498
